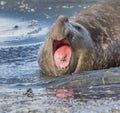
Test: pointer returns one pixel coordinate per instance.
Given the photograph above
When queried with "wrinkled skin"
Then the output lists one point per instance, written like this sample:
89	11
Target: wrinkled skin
89	40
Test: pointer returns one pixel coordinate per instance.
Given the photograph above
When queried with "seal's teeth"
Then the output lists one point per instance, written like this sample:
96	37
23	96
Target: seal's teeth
65	67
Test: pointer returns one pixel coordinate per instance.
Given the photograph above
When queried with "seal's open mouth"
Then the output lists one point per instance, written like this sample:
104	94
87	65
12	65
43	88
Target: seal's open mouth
62	53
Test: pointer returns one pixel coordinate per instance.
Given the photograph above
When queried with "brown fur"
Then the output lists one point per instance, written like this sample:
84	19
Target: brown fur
94	35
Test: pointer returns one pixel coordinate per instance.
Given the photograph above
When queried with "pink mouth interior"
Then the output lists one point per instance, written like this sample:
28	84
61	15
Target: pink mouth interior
62	53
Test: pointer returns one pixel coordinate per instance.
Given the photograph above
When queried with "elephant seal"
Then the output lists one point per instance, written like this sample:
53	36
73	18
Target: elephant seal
89	40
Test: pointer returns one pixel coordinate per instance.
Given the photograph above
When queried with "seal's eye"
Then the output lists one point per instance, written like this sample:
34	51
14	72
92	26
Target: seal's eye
77	27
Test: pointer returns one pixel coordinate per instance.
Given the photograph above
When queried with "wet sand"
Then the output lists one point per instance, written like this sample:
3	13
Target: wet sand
14	101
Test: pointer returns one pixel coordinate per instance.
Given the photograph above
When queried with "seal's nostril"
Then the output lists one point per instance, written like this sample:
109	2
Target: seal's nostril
66	19
69	36
62	18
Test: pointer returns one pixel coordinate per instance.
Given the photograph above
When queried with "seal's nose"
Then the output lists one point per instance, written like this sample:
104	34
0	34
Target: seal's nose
62	19
57	31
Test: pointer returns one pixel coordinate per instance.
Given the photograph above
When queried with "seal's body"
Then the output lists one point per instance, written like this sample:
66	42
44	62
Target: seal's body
89	40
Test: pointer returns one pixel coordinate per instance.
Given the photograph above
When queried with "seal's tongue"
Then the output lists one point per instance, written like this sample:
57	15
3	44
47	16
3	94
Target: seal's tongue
62	53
